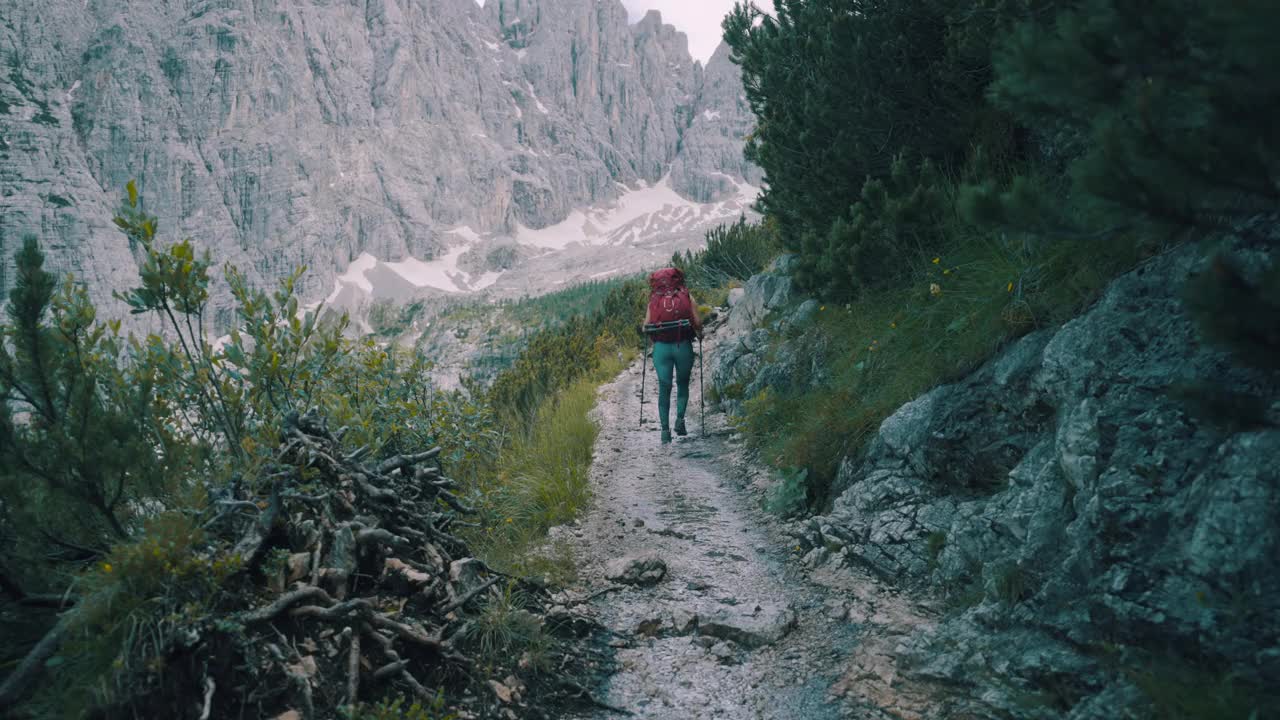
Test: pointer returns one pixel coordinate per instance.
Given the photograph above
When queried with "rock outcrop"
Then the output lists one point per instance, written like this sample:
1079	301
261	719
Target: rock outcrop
287	133
1089	534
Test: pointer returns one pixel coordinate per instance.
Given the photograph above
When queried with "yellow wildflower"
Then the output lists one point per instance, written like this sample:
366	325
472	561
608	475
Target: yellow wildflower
937	260
510	520
106	567
1010	288
893	325
824	307
935	289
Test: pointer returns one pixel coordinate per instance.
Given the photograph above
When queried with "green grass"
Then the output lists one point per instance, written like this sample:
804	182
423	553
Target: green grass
1180	689
504	330
543	479
954	310
506	628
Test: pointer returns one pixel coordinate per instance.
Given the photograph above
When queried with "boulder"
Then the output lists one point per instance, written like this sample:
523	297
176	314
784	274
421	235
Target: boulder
753	627
645	569
1064	499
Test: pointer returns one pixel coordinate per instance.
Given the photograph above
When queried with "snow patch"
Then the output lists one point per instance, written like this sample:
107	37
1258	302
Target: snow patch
639	213
368	277
441	273
355	275
711	114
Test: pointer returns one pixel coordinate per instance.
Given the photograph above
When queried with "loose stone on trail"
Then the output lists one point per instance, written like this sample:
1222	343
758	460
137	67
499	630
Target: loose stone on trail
761	626
644	570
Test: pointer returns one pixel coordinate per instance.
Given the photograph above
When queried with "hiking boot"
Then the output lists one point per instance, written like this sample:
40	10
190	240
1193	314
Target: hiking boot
666	436
680	427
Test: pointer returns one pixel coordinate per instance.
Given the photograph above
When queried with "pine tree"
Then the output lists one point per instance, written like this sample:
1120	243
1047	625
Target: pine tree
843	88
79	437
1169	106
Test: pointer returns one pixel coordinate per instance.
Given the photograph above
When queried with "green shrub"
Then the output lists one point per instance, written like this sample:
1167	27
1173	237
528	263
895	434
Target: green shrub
946	315
554	358
1199	689
790	494
897	219
506	628
83	437
141	591
110	447
1011	584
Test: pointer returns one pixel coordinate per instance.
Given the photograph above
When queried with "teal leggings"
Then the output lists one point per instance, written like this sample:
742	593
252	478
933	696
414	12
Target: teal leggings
666	358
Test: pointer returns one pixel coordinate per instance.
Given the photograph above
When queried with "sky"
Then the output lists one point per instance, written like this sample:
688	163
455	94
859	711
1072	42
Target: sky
699	19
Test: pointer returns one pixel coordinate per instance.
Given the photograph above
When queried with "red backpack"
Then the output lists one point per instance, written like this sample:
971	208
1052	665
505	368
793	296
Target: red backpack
669	300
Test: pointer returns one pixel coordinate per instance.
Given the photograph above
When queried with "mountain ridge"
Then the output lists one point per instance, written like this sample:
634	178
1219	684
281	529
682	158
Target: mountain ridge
284	134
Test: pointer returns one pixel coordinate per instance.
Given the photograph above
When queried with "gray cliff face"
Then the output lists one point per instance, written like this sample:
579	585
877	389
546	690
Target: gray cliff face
711	160
1064	505
281	133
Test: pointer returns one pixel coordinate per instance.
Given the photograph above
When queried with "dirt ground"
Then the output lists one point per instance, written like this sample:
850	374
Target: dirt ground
737	627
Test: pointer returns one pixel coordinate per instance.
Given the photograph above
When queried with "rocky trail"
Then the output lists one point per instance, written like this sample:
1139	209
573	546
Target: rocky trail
709	616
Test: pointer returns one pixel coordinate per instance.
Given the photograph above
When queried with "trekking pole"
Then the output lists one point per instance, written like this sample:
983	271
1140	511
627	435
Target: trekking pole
644	371
702	404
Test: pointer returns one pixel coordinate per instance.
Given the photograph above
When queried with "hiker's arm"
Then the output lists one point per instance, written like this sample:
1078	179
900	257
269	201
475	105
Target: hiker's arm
694	318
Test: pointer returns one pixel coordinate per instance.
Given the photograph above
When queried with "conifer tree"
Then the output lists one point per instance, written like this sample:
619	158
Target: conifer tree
79	437
843	88
1169	107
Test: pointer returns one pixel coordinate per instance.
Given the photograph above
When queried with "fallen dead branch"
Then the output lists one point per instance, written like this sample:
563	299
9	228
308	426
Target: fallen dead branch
351	587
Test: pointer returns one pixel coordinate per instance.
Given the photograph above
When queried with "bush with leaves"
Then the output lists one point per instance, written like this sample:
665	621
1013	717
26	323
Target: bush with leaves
555	358
131	467
85	439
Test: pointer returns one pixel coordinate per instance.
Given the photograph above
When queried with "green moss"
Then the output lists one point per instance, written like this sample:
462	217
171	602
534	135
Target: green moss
935	544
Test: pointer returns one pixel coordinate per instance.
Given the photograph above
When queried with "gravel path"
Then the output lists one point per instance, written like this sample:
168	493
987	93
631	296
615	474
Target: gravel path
733	630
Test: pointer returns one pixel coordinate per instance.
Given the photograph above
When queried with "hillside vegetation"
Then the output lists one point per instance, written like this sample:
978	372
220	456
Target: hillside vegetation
950	175
160	494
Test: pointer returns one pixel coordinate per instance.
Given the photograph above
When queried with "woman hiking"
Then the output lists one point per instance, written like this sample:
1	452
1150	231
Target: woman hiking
670	303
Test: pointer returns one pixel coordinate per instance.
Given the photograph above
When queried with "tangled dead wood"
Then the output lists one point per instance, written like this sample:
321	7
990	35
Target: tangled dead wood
352	586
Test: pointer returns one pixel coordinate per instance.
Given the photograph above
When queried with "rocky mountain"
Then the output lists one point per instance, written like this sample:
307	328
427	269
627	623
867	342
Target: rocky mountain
1085	529
399	147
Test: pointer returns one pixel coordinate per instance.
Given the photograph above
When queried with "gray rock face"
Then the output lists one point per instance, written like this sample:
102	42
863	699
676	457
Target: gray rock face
286	133
711	161
745	365
1070	504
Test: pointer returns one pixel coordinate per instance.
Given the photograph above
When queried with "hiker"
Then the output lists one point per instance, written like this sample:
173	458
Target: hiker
669	301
